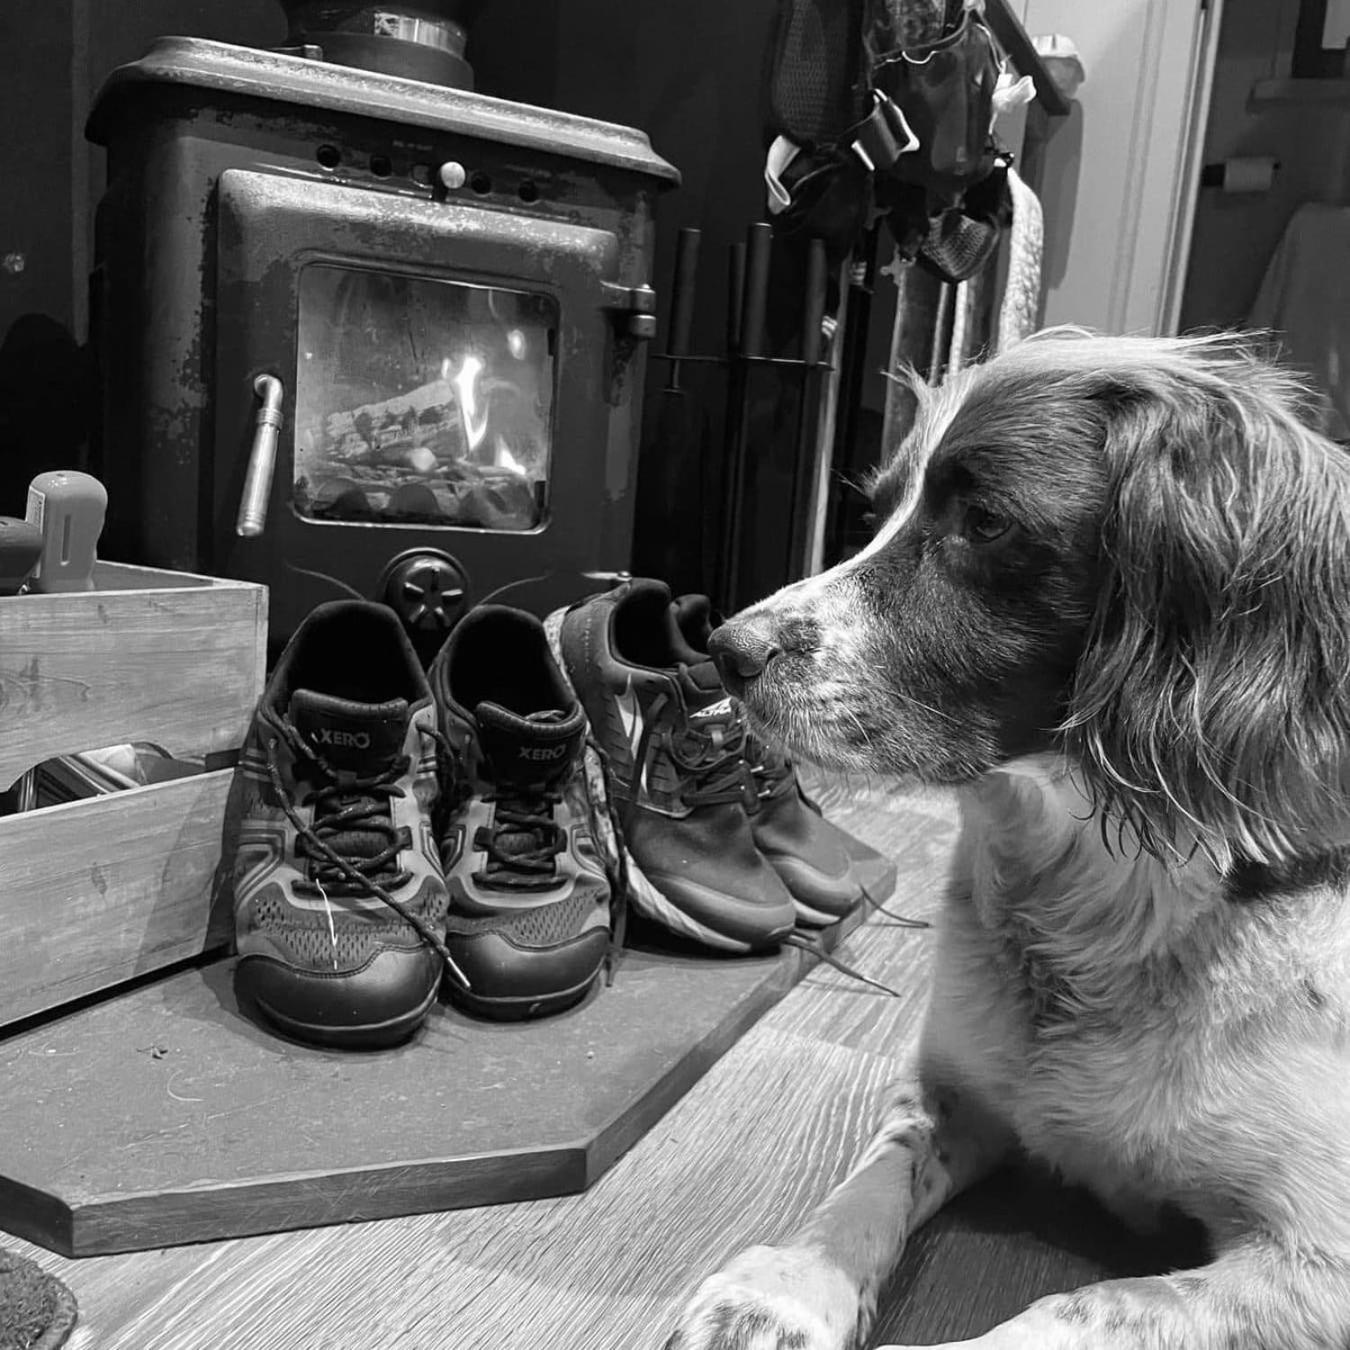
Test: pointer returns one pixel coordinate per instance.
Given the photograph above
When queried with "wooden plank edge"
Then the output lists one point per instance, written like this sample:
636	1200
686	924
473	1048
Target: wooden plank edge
135	578
88	805
36	1216
77	992
126	1223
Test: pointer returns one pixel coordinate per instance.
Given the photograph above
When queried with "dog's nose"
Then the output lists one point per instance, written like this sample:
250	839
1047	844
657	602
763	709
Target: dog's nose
742	651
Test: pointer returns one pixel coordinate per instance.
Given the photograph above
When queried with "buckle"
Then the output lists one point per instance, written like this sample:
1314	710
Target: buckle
781	154
883	135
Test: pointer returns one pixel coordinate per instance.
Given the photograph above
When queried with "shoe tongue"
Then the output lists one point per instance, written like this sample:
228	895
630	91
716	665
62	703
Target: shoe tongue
536	748
354	737
693	614
705	696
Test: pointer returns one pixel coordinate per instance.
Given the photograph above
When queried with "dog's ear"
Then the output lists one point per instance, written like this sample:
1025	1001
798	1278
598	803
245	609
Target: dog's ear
1211	706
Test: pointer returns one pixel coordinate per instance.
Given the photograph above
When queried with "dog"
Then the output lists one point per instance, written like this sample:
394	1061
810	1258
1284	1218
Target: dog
1109	599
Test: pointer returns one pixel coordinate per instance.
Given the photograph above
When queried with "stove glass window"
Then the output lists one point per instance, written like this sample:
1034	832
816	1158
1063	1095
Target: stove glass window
421	401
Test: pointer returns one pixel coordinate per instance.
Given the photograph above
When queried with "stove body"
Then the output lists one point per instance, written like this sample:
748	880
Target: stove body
424	308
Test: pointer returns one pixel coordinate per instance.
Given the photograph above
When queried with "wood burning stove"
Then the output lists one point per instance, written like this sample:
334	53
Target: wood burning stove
363	332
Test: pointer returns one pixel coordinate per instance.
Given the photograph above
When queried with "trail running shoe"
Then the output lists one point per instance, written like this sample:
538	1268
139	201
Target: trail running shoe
673	743
338	894
806	850
530	915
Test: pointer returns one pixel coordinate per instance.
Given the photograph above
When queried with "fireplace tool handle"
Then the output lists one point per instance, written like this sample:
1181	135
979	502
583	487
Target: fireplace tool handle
262	458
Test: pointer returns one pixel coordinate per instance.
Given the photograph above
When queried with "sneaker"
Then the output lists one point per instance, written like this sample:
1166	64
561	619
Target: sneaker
673	745
338	893
809	852
529	922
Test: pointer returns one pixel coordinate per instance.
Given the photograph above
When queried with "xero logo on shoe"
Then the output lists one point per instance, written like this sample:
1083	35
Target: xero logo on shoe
339	739
543	751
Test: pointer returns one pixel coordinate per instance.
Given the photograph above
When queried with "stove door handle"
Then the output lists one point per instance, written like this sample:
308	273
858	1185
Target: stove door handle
262	458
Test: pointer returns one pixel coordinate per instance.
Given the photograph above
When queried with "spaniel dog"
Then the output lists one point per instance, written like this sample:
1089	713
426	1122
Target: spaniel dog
1109	599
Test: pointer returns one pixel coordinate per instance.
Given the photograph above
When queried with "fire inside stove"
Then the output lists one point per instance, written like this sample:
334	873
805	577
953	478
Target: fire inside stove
422	401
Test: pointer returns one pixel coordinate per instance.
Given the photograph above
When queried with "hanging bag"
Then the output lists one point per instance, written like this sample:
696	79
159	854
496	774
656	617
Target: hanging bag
945	91
883	107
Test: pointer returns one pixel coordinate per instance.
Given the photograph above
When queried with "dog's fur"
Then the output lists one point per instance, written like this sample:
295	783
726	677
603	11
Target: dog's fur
1110	598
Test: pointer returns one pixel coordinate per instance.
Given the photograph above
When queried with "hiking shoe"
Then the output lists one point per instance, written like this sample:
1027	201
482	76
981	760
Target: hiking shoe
338	894
809	852
529	921
672	742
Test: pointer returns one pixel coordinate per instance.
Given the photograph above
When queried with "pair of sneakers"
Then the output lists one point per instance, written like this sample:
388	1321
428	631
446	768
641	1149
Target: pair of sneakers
395	827
720	843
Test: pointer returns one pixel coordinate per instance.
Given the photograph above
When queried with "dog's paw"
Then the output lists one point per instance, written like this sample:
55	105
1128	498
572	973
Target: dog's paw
771	1298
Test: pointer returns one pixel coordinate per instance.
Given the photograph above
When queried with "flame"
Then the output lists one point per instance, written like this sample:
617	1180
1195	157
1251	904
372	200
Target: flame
466	386
506	460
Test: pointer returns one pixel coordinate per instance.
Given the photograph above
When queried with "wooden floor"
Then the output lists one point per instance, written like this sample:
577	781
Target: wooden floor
739	1160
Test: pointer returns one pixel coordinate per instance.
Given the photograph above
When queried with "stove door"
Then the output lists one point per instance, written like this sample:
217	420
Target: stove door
446	379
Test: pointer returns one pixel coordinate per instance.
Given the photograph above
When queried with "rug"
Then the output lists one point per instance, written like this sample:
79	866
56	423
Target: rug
37	1311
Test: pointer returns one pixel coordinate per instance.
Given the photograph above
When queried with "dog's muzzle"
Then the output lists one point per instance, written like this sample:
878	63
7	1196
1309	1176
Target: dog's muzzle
743	650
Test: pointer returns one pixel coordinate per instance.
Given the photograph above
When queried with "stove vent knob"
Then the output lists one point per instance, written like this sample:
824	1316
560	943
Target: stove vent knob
426	588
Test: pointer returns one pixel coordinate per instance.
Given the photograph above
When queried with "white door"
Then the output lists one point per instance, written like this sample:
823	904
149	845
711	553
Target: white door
1122	171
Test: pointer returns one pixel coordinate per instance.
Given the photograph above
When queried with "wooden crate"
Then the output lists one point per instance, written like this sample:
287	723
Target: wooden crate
95	892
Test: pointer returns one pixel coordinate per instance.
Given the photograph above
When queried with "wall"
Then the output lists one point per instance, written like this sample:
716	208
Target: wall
55	55
1236	234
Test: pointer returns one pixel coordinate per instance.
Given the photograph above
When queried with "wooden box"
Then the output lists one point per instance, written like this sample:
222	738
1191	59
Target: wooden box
98	891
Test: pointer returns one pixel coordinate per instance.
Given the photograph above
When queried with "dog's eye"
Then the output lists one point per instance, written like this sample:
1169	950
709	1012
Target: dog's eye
982	526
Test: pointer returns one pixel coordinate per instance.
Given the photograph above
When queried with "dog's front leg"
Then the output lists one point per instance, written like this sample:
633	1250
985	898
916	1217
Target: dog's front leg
818	1290
1260	1295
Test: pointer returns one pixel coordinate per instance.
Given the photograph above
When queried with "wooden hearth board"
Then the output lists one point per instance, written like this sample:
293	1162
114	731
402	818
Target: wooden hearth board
166	1115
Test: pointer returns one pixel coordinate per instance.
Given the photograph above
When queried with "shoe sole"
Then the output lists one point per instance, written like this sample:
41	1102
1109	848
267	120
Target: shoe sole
816	918
645	896
810	917
368	1036
517	1007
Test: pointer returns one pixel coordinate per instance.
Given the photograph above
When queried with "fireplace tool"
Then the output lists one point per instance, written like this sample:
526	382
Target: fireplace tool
746	351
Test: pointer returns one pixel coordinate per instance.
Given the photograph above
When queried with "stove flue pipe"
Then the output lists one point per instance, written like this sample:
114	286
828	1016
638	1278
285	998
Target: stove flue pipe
416	39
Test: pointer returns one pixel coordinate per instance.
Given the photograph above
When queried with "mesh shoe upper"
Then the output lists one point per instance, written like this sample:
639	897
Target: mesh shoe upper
674	743
530	904
337	884
807	851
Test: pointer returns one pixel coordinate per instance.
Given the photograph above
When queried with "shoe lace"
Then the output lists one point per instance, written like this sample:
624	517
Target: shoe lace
814	947
709	757
770	769
812	944
523	839
896	920
321	841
